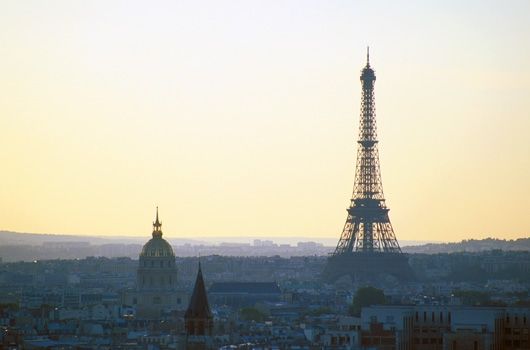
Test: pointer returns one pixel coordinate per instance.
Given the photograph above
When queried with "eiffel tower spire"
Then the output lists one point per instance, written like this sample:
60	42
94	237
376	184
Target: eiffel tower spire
367	228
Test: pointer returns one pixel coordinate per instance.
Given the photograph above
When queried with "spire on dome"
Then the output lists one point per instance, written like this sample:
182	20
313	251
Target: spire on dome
157	226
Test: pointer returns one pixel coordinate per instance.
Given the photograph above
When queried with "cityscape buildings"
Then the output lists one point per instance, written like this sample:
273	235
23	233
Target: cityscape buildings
467	300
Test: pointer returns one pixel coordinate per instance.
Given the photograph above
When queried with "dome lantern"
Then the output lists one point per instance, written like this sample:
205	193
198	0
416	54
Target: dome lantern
157	226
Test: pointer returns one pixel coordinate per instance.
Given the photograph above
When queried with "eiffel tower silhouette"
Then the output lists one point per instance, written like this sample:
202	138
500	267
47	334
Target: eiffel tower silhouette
367	245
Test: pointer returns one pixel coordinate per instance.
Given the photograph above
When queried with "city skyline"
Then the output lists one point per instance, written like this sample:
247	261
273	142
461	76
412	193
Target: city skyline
241	119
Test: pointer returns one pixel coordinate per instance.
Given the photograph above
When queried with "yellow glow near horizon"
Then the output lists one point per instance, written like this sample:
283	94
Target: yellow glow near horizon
239	118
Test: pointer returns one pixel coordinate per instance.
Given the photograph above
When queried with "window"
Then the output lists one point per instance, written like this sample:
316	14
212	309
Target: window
157	300
441	316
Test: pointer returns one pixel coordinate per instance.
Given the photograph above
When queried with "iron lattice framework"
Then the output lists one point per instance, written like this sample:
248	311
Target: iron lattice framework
368	228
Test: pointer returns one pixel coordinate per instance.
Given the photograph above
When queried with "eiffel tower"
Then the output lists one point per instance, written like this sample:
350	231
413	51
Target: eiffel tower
367	246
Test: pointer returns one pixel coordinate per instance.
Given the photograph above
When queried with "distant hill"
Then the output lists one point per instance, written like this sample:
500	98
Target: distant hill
19	238
15	246
472	245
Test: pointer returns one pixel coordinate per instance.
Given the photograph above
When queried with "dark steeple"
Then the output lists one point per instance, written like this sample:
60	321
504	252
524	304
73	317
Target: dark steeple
157	226
198	317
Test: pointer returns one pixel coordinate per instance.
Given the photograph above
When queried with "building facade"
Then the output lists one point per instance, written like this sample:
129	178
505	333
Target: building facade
444	328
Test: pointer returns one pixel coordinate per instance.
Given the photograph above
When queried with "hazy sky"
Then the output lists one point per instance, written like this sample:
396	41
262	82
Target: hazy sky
240	117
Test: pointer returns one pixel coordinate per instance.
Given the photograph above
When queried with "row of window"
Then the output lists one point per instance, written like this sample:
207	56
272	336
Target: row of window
433	316
161	263
516	331
158	252
516	319
152	281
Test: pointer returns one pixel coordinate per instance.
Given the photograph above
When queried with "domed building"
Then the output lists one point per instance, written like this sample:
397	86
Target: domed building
156	281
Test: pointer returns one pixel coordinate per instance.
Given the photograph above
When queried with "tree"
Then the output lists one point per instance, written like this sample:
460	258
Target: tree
251	314
366	296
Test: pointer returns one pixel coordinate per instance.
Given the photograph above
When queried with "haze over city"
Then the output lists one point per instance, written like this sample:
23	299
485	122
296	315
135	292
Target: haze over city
240	118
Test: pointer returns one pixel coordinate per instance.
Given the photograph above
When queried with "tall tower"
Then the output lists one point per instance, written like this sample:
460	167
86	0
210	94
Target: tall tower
367	244
367	228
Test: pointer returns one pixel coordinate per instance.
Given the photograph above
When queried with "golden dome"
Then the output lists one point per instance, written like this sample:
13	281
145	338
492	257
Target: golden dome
157	247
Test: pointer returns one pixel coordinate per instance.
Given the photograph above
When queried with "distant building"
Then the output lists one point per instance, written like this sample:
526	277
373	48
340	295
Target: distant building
444	328
244	293
157	278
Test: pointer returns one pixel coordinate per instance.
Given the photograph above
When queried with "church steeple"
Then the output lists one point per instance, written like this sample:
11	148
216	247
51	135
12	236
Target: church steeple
157	226
198	317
